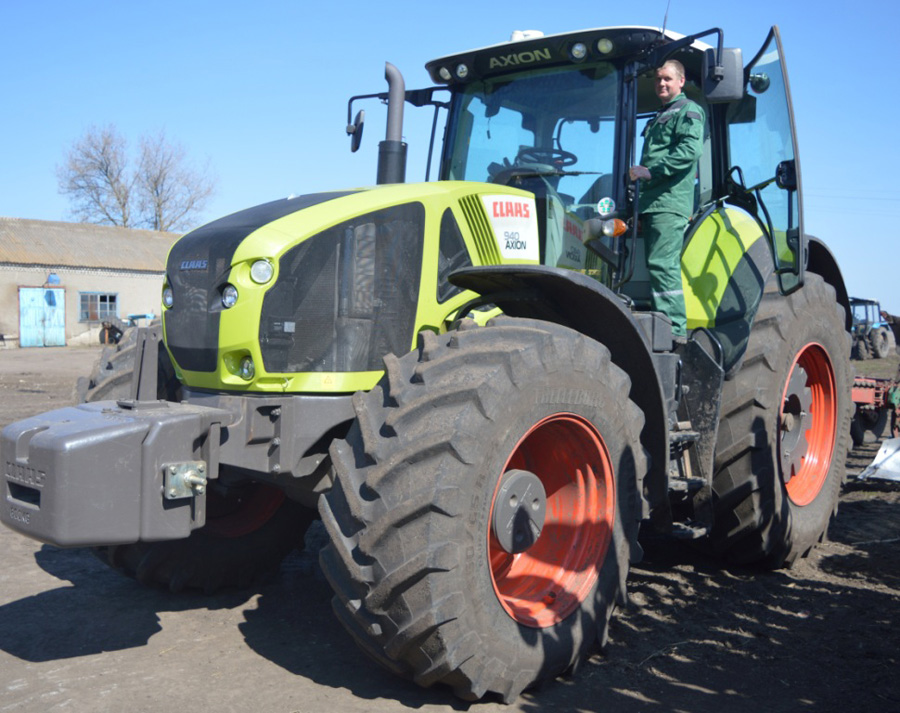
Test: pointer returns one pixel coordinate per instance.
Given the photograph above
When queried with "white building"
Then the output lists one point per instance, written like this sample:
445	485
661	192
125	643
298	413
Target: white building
60	281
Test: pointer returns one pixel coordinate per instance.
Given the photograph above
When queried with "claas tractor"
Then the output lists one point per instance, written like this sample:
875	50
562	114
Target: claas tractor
463	380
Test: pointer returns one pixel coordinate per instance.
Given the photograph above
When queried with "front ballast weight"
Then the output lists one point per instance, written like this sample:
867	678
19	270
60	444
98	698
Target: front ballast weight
61	487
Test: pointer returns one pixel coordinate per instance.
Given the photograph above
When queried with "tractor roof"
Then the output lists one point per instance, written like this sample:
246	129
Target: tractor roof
533	50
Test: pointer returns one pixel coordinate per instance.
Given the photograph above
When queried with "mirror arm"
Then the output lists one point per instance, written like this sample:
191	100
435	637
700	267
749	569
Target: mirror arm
381	95
657	55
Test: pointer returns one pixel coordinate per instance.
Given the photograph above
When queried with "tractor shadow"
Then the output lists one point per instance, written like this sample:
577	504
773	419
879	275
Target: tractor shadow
287	621
98	610
293	626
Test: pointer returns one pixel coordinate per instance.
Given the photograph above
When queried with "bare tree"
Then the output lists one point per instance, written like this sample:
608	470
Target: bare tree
164	192
171	192
95	178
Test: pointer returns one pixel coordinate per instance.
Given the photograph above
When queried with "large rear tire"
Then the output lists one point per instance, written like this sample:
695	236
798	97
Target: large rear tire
440	568
249	529
891	341
783	436
861	350
881	345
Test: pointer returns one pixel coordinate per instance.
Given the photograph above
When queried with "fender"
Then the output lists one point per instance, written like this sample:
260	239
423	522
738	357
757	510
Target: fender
822	262
583	304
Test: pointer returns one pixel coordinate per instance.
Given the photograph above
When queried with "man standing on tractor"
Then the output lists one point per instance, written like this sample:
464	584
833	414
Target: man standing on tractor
673	142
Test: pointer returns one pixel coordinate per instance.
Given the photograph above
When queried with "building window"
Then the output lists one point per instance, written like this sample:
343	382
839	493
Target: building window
97	306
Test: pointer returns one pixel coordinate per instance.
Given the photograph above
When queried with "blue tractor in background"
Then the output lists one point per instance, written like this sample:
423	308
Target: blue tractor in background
872	335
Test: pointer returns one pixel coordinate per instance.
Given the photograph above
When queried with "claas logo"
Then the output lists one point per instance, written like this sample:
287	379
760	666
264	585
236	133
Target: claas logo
512	209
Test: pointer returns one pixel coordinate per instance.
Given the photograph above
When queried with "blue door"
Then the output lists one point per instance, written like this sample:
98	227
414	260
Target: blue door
42	317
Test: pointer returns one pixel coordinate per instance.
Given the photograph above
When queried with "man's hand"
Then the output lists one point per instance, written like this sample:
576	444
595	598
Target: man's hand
639	172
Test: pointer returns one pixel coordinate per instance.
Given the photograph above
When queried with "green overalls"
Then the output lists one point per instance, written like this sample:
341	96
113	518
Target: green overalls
673	142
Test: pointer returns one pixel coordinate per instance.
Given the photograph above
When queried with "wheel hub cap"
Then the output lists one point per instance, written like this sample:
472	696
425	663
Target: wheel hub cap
519	511
795	422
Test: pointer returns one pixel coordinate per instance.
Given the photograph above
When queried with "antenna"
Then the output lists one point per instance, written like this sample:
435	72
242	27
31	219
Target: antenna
665	18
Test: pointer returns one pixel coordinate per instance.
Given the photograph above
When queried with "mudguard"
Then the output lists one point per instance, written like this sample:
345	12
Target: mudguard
585	305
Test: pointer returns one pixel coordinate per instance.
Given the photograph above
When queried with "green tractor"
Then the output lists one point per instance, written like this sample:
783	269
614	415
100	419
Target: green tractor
463	377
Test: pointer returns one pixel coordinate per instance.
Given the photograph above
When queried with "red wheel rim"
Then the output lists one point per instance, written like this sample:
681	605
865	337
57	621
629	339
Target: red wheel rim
808	423
243	513
543	585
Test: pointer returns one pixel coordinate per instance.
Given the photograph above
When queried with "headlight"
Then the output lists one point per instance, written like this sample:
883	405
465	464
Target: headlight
248	370
229	296
168	297
605	206
578	51
261	271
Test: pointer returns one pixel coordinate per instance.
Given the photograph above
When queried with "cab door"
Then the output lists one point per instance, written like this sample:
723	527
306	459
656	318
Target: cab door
763	158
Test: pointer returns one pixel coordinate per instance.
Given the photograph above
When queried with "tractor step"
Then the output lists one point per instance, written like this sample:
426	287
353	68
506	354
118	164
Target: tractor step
689	530
683	439
686	485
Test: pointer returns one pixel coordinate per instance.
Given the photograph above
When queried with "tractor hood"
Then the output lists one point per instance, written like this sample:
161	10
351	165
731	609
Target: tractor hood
307	294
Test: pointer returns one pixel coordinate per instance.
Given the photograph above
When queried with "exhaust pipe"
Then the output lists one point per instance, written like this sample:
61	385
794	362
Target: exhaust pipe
392	151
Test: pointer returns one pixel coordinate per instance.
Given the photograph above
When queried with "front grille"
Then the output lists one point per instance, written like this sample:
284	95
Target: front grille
197	270
347	296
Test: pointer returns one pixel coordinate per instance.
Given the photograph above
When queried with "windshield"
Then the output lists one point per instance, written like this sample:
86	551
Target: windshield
864	312
556	124
551	132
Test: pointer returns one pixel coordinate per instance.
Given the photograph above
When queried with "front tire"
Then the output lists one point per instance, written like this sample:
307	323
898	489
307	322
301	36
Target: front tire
783	436
110	379
249	529
248	532
432	574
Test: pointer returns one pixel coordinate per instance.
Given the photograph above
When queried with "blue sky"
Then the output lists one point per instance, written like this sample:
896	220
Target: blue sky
260	91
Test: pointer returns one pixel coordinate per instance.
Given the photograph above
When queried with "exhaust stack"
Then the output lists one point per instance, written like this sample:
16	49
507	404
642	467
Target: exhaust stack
392	151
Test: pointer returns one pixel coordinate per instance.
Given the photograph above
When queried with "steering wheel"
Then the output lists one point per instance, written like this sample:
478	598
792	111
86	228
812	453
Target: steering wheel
552	157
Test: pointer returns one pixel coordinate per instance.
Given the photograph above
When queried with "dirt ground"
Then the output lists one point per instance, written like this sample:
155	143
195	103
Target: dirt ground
76	636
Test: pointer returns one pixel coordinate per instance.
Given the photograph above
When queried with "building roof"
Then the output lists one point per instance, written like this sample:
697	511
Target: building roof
52	244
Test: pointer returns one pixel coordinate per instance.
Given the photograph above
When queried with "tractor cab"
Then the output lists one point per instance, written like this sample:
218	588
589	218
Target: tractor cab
866	314
562	117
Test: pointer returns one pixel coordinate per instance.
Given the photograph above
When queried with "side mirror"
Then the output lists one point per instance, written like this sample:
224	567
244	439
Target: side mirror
355	130
786	175
759	83
723	82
